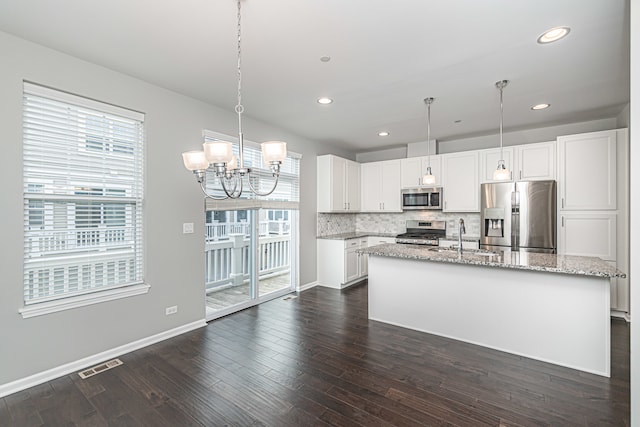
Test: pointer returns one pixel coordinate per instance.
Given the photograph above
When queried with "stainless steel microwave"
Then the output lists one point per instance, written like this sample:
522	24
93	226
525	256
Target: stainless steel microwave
422	198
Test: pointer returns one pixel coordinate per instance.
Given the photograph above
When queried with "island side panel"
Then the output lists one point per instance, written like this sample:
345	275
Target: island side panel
557	318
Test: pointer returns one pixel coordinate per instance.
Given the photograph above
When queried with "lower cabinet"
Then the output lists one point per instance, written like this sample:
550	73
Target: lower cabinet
339	263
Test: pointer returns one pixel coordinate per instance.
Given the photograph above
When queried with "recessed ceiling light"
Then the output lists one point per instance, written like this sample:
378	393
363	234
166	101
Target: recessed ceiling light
383	133
324	100
553	34
540	106
325	58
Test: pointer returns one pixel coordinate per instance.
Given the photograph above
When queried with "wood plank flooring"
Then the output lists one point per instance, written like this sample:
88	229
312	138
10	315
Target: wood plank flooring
317	360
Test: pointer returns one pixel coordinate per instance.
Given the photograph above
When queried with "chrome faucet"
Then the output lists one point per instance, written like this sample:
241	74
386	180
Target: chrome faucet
461	231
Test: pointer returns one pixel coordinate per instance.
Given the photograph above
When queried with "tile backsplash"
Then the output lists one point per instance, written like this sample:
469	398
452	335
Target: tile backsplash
393	223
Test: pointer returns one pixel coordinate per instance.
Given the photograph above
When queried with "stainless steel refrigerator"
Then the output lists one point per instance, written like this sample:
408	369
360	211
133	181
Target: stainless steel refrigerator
518	216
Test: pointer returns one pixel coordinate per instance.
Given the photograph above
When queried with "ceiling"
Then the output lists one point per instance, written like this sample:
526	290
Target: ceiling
386	57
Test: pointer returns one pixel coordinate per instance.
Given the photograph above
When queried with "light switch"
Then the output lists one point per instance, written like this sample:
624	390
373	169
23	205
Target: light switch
187	228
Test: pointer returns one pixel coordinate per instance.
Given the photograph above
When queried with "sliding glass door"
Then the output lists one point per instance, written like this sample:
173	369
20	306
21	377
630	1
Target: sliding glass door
248	258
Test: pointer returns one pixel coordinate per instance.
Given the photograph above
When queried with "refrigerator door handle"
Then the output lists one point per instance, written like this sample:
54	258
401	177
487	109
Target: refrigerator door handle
515	221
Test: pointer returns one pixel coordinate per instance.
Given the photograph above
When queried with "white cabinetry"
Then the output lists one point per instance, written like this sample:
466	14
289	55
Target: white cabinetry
535	161
338	184
413	168
460	182
528	162
339	263
588	234
593	217
489	162
378	240
381	186
587	171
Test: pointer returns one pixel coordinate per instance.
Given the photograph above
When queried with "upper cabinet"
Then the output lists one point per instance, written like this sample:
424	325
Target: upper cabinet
536	161
528	162
381	186
489	162
587	171
338	184
460	183
413	168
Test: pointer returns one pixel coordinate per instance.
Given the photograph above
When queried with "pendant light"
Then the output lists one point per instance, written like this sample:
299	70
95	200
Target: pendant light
218	155
428	178
501	173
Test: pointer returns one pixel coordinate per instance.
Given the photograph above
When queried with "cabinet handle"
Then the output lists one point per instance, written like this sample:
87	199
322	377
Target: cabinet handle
520	174
562	203
563	221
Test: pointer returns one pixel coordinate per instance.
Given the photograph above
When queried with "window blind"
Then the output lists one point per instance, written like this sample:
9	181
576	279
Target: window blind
286	194
83	193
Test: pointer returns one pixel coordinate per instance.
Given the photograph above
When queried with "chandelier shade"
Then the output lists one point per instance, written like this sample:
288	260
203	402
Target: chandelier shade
428	178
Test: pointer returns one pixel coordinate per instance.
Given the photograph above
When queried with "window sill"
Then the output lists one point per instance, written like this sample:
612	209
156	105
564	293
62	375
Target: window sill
82	300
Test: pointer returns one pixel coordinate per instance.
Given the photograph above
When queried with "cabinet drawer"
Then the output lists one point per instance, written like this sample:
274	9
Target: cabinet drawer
355	243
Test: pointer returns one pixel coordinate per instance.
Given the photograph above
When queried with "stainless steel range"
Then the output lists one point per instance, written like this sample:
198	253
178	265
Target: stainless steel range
421	232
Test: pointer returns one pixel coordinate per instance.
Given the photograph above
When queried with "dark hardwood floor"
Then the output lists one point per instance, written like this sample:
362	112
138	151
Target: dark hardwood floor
318	360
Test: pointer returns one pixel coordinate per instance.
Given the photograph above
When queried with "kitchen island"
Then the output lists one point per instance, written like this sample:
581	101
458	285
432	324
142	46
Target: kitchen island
547	307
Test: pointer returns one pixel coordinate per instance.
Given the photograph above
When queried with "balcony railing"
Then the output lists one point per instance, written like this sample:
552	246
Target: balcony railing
227	253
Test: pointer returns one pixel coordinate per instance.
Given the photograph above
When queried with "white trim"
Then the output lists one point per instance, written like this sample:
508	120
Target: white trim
50	374
82	300
303	288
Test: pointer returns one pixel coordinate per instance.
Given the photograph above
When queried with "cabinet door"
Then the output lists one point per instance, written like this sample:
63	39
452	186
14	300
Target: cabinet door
536	161
588	234
460	182
352	264
352	186
587	171
371	176
390	197
489	162
411	171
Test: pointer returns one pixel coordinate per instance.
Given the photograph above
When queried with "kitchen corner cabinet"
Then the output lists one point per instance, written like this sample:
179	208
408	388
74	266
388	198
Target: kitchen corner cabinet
460	182
381	186
338	184
587	171
413	168
339	263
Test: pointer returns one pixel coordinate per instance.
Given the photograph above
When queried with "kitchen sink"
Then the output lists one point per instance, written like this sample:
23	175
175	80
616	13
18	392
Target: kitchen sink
481	252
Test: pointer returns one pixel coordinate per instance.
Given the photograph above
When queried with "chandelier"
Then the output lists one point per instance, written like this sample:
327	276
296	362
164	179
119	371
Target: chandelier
218	156
501	173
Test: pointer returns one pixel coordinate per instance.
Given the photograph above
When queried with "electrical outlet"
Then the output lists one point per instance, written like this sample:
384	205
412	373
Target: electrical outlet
187	228
171	310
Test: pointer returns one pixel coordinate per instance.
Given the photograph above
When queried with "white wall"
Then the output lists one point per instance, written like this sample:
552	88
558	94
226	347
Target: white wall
634	270
174	261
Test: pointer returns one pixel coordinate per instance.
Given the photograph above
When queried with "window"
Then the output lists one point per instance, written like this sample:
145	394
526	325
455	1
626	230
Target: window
83	197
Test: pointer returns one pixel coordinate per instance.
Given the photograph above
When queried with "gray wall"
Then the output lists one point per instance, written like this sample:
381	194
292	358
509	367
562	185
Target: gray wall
174	261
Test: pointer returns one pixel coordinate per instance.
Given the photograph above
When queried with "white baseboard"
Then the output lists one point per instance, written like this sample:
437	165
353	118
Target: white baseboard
50	374
307	286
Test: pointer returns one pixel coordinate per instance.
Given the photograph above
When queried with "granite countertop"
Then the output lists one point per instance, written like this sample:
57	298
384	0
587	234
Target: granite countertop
552	263
465	238
354	235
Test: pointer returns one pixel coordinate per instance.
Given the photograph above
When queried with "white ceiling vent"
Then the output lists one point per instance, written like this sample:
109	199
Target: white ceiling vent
99	368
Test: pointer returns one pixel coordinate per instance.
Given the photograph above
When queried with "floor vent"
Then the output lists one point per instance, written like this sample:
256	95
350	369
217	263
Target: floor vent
99	368
288	297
